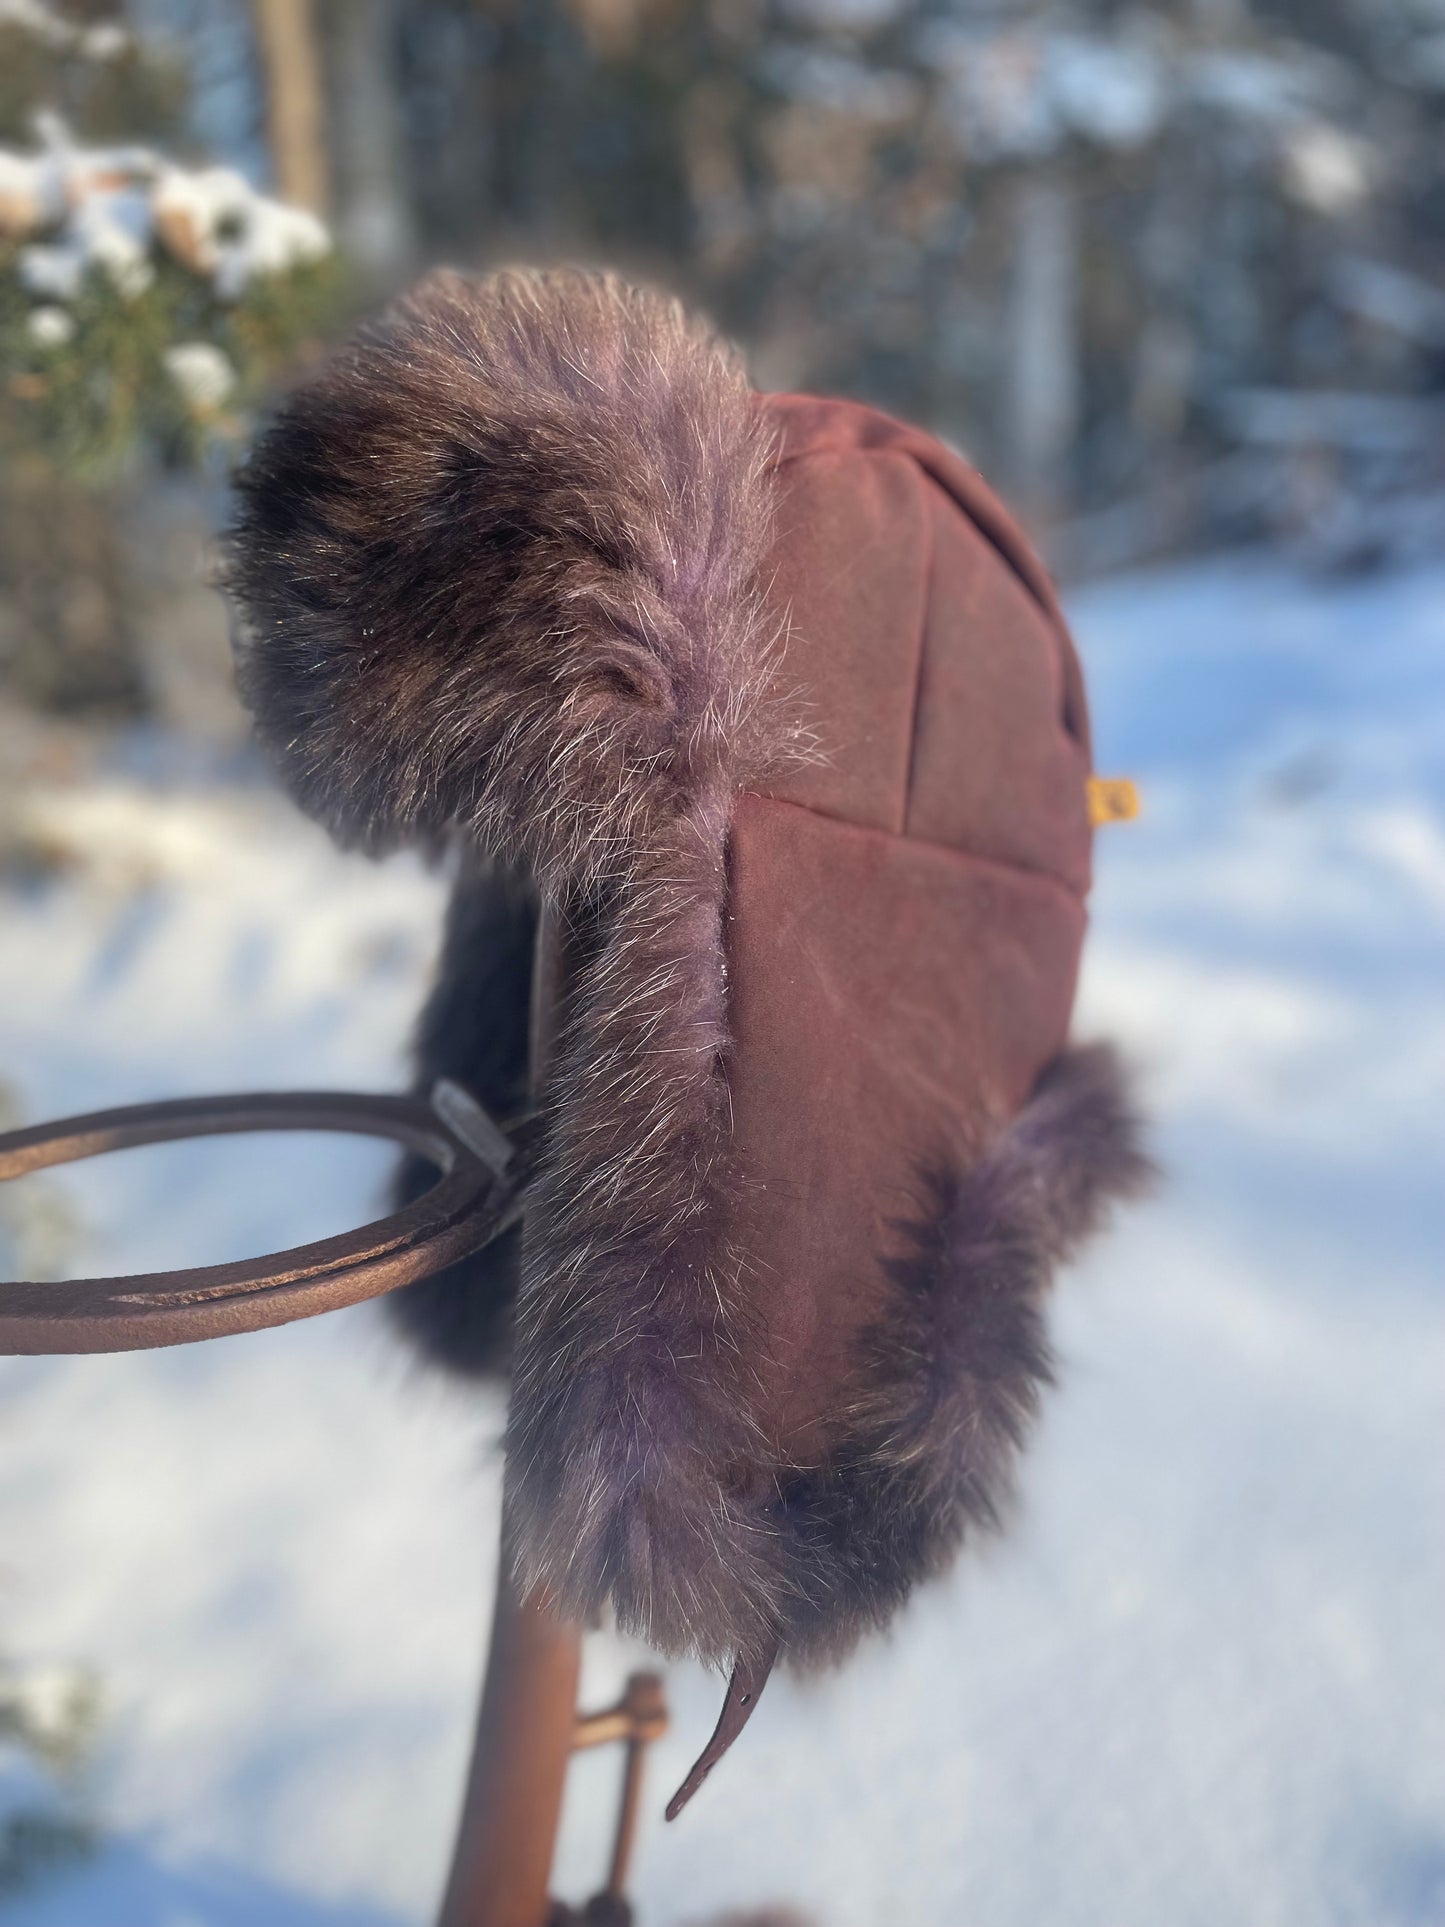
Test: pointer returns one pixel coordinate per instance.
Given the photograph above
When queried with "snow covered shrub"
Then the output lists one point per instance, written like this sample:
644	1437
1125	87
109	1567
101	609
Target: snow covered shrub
143	305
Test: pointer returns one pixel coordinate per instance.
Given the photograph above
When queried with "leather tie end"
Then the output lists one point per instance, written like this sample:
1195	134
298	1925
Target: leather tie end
745	1687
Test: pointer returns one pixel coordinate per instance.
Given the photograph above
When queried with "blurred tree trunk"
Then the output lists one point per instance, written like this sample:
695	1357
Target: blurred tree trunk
296	112
70	604
369	149
1043	377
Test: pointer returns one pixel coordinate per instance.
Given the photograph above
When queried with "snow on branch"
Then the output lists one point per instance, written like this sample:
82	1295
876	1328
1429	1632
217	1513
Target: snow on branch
140	295
103	41
113	208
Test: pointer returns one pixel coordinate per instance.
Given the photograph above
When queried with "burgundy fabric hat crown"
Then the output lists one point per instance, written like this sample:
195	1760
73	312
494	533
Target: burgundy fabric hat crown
768	700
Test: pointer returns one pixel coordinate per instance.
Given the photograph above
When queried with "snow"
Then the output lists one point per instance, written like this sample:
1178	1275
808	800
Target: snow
1390	297
1330	170
843	16
103	42
1263	87
111	230
108	209
51	327
1024	89
32	192
1199	1680
221	226
53	273
202	372
1116	94
1020	89
839	82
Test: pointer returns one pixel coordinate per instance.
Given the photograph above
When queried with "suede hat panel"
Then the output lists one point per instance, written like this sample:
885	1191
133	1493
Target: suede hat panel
905	914
767	702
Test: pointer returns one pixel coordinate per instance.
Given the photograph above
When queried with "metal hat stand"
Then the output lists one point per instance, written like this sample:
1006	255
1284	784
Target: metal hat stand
528	1726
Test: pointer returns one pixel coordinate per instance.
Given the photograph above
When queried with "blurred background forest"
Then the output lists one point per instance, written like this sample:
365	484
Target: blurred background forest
1169	272
1172	272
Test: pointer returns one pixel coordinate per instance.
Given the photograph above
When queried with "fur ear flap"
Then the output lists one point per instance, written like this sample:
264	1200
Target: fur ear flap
958	1365
496	567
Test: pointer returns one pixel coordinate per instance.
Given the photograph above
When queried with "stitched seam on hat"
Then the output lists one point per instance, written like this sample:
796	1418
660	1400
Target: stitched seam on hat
1063	643
869	450
925	605
1006	865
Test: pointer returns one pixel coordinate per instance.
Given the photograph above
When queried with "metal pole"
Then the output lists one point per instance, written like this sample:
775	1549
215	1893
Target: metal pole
513	1803
646	1714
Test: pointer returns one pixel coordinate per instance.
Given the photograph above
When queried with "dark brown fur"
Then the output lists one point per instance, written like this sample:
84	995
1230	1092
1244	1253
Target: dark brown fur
498	564
474	1030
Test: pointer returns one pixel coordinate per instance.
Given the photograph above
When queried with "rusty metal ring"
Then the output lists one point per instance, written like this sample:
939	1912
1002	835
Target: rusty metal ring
478	1195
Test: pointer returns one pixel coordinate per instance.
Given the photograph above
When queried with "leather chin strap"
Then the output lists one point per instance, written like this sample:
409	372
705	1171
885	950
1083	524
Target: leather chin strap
745	1687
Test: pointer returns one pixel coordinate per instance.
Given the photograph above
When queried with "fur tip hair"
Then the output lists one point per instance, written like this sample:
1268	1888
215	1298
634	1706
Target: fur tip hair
496	567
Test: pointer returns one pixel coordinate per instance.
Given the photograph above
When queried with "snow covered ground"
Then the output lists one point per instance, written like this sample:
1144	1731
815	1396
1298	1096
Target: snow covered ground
1201	1682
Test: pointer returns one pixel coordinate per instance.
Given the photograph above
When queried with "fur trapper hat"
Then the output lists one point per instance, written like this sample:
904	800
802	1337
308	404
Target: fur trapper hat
767	699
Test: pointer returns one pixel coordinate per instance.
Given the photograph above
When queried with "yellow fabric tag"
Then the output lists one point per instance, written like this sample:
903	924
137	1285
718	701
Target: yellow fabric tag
1112	799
